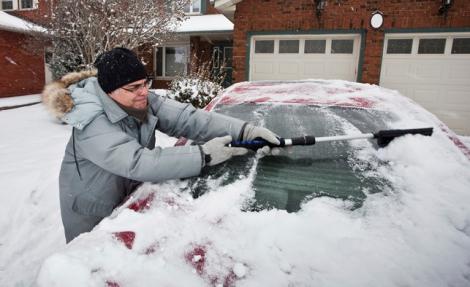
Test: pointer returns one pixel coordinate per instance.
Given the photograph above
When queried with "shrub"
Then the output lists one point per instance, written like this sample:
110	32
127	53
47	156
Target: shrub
200	86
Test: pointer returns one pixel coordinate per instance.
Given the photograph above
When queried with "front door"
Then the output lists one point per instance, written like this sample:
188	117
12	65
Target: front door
222	63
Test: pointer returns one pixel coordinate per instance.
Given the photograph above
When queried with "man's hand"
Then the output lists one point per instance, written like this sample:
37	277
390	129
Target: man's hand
252	132
218	152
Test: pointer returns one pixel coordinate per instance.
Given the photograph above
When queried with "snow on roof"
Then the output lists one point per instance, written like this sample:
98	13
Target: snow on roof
11	23
206	23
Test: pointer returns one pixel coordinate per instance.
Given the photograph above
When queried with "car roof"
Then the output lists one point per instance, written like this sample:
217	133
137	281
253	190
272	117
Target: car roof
307	92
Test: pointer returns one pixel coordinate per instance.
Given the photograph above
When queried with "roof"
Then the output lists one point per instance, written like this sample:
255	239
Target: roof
206	23
14	24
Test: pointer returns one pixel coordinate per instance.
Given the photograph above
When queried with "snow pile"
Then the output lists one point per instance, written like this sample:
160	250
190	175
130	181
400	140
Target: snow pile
415	234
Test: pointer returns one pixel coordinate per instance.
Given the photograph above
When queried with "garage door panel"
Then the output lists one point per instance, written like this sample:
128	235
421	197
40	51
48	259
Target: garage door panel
459	71
429	71
314	69
266	68
339	68
458	97
288	68
425	95
439	82
397	71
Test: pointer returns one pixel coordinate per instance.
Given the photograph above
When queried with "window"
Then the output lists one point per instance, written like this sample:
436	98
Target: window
18	4
399	46
461	46
194	7
288	46
315	46
342	46
26	4
228	52
264	46
431	46
172	61
7	5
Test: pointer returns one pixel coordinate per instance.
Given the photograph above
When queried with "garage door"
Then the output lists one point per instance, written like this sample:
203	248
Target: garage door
433	70
297	57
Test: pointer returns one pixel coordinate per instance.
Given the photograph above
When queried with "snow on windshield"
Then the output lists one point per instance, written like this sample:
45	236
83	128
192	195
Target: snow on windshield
415	234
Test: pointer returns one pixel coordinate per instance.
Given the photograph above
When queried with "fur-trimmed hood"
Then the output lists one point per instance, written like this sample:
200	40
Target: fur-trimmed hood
57	97
73	99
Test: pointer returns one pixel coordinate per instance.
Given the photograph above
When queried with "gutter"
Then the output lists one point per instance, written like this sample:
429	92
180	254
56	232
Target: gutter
223	5
227	7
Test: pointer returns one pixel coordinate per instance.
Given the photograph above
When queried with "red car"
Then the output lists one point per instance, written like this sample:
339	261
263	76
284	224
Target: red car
338	213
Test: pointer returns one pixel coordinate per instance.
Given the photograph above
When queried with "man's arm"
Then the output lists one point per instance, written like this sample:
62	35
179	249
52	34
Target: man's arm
178	119
107	146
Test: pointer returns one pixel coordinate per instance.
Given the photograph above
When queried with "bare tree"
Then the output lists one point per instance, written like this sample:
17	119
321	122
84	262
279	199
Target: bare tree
81	29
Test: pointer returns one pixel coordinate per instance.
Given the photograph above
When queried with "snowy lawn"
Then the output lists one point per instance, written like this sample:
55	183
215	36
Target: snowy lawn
419	236
32	145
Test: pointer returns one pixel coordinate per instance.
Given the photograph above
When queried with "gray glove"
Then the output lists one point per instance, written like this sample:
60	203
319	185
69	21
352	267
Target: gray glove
218	152
252	132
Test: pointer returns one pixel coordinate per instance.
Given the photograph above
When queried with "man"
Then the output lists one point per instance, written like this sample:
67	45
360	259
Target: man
112	147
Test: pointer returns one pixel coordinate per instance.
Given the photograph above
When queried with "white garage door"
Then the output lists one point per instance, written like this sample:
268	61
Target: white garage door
433	70
295	57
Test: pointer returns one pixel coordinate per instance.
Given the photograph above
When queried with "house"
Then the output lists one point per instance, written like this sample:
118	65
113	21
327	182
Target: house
22	71
421	48
205	34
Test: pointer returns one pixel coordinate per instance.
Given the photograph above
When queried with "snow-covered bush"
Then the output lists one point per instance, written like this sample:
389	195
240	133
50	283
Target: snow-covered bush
200	86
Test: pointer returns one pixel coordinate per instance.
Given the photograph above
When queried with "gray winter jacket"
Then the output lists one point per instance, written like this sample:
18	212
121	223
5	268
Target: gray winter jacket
110	153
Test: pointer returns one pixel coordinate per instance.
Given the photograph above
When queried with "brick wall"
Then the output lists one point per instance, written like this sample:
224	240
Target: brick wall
39	16
21	73
279	15
210	9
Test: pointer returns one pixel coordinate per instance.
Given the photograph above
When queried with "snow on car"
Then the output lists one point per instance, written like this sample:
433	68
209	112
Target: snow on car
343	213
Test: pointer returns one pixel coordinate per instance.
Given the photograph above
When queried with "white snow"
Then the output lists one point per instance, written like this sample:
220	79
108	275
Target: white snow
11	23
205	23
22	100
416	234
465	140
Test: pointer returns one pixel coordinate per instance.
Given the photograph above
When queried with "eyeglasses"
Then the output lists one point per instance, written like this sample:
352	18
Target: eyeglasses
134	88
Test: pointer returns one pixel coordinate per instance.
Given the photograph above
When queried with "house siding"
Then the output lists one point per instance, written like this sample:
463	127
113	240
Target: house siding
22	66
40	15
253	16
22	73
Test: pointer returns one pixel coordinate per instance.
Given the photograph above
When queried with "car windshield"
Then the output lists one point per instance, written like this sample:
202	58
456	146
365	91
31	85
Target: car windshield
301	173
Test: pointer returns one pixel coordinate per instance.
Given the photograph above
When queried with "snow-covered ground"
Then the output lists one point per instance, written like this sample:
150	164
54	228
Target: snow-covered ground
31	149
32	145
420	237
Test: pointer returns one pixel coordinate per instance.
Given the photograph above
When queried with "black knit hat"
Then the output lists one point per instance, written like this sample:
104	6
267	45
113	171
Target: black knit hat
118	67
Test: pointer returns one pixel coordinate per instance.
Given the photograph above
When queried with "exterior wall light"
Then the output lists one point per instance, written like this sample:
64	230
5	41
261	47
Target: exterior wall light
377	19
445	6
320	6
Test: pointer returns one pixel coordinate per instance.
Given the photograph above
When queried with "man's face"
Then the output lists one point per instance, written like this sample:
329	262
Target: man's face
133	95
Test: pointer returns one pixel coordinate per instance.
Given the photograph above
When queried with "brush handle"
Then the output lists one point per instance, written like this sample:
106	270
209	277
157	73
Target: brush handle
259	142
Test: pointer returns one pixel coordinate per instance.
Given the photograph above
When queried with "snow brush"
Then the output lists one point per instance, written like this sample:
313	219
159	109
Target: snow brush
383	137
